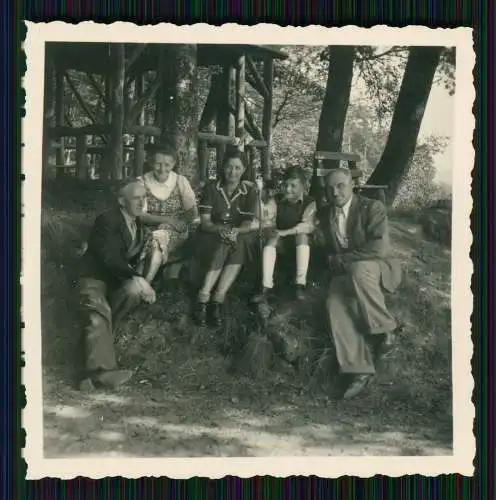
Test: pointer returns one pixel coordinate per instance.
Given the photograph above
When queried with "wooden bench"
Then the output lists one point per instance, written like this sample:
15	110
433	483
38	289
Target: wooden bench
374	191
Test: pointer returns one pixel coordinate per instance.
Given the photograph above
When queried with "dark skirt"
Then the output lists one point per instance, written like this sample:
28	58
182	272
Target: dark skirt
212	253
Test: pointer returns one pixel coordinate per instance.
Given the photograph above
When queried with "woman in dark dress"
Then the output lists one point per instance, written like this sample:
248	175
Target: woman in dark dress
228	211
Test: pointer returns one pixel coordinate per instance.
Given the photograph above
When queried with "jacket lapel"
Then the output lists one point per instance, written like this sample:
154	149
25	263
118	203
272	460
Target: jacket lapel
352	222
126	235
330	225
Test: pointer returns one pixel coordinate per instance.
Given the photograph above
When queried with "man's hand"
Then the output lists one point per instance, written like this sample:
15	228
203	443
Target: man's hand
148	294
336	265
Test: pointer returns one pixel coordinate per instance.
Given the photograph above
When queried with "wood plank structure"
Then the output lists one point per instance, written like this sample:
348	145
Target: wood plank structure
128	77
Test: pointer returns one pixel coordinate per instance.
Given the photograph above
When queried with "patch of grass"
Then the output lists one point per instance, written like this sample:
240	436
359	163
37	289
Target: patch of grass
170	352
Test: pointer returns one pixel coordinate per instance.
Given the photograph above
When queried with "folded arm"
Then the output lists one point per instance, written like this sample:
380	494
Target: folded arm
307	223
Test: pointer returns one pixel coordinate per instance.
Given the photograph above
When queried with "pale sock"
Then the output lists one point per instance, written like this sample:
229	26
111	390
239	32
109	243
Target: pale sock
269	264
208	284
302	259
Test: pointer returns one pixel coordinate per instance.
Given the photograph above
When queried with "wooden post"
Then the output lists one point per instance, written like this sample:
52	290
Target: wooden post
81	158
113	159
268	77
49	114
226	124
203	160
139	140
240	102
59	119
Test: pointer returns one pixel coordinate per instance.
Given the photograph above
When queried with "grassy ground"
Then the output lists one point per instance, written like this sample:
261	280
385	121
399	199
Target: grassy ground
192	395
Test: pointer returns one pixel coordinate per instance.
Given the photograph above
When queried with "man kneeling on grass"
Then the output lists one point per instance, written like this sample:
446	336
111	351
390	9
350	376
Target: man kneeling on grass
293	222
112	282
354	232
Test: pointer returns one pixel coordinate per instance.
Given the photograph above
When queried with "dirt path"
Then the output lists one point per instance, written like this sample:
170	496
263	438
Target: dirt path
184	401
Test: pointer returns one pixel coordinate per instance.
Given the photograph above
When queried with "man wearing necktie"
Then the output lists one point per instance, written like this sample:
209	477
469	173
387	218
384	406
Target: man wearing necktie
111	283
354	233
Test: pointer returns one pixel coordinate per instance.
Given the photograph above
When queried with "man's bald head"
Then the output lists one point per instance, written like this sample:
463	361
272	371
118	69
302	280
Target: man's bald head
339	186
131	196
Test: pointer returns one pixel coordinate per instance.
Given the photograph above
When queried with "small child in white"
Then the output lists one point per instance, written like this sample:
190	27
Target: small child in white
292	221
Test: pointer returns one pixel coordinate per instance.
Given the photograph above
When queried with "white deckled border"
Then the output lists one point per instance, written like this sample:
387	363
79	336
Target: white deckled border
32	125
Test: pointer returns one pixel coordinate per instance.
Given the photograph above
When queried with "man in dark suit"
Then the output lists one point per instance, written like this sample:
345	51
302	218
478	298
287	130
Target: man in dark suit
354	232
111	284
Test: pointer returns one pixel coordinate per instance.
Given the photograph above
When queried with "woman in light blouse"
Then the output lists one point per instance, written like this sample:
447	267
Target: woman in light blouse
170	209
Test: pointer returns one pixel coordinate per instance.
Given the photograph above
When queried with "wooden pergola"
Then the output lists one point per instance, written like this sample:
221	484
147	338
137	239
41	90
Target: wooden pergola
225	120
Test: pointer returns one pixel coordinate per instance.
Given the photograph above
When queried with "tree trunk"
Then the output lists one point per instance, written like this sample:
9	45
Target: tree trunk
179	113
407	119
336	99
334	108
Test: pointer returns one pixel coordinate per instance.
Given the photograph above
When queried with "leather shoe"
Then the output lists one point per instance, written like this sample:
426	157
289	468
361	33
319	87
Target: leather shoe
106	378
358	384
200	314
216	313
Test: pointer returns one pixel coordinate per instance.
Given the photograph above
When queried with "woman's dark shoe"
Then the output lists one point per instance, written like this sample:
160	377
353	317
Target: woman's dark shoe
200	314
300	292
216	313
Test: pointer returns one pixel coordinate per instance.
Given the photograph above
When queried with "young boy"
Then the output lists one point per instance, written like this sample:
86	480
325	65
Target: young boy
292	223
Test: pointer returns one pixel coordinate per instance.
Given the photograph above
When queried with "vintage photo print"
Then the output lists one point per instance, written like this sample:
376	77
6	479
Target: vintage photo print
246	251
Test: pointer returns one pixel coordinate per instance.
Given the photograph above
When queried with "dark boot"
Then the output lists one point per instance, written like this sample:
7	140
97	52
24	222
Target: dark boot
106	378
216	313
300	292
200	314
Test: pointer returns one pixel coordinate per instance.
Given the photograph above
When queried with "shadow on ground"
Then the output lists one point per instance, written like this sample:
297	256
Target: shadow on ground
185	400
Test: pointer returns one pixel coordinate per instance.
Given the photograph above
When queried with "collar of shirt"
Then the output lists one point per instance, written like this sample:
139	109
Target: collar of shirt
130	221
346	207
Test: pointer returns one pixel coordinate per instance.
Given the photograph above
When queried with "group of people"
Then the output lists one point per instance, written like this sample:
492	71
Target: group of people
156	218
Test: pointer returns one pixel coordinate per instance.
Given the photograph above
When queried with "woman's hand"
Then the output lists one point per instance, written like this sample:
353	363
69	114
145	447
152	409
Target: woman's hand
229	235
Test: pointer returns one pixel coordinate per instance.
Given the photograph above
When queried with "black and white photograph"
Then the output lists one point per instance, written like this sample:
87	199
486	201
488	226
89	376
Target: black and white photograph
250	252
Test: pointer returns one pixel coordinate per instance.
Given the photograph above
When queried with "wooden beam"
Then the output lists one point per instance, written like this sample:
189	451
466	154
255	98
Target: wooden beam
143	129
255	80
113	158
133	57
135	111
81	158
59	116
257	144
203	160
240	101
78	97
96	86
227	140
251	126
268	76
322	172
209	112
327	155
139	140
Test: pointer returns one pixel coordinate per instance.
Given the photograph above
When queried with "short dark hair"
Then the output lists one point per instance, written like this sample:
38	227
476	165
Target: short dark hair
295	172
231	154
163	149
